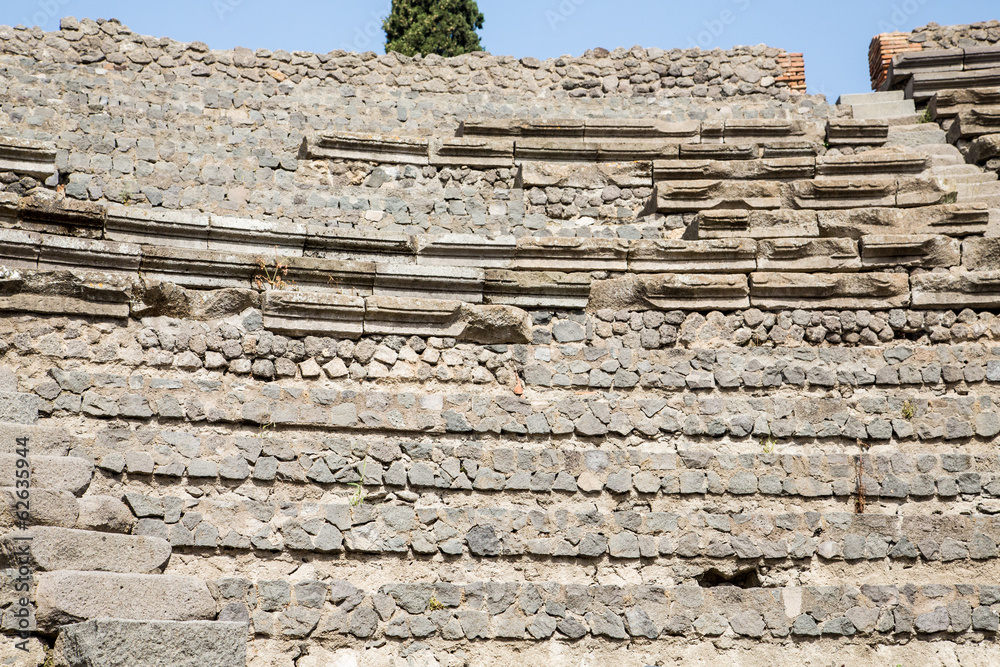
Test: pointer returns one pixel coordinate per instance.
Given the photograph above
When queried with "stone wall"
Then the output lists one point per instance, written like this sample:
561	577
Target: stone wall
346	360
934	36
176	125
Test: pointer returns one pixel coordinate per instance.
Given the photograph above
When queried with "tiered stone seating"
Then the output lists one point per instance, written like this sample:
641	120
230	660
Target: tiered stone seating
761	428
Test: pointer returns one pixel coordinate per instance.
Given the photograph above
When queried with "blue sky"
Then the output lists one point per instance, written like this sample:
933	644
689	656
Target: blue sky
833	35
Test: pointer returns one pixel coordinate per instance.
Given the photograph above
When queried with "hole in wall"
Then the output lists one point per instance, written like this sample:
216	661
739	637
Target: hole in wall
711	578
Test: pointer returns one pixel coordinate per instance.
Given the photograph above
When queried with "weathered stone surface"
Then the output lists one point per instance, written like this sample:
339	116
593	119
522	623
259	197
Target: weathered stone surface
811	290
52	472
763	169
69	549
910	250
537	289
429	317
479	152
844	131
671	291
313	314
152	643
949	219
973	289
66	597
710	256
808	254
881	161
571	254
585	175
737	223
368	147
699	195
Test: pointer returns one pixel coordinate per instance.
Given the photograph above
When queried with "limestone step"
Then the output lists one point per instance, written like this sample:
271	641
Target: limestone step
51	472
115	642
958	170
912	136
69	596
871	98
85	550
874	110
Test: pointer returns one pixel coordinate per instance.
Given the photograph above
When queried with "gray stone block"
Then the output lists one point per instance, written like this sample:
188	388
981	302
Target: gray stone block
121	643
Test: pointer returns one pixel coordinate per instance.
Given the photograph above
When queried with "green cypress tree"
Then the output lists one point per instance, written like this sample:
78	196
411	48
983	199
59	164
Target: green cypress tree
444	27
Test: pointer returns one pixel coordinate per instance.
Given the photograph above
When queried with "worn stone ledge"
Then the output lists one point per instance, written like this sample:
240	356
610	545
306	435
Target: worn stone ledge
33	158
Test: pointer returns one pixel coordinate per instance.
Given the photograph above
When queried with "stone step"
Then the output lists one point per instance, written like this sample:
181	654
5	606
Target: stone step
578	529
118	642
85	550
912	136
580	469
958	170
987	188
539	610
559	410
953	181
51	472
893	109
871	98
69	596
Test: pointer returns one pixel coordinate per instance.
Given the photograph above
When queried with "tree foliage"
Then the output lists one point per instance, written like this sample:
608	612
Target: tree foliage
444	27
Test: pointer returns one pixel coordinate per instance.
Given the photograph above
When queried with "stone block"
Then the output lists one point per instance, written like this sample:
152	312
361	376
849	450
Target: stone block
48	508
670	292
808	254
59	252
706	256
974	123
832	193
19	249
736	223
570	254
70	549
949	219
58	473
313	314
849	132
152	643
473	152
27	157
761	169
67	597
429	282
247	235
537	289
829	290
184	229
972	289
879	162
466	250
368	148
585	175
910	250
699	195
453	319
